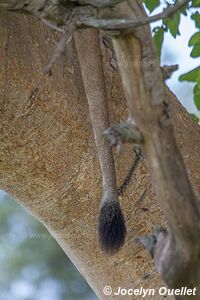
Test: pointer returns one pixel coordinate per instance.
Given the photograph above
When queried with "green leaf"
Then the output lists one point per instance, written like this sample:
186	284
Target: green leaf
191	75
195	51
151	4
183	10
195	39
195	42
198	82
196	18
173	24
197	97
158	38
196	90
195	3
197	101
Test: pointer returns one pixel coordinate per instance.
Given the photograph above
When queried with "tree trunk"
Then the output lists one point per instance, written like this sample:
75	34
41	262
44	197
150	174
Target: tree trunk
48	159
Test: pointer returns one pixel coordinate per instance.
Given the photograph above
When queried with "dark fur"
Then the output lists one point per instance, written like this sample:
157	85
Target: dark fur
112	229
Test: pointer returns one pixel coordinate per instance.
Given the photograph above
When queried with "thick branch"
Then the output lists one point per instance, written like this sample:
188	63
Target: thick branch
166	165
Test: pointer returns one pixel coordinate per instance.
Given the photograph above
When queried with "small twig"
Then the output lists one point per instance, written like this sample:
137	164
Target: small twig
52	26
69	29
167	71
60	48
149	242
138	157
121	24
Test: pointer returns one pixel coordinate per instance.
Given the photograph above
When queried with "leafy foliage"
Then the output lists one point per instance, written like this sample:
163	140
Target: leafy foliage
172	25
196	18
197	94
192	75
195	42
196	3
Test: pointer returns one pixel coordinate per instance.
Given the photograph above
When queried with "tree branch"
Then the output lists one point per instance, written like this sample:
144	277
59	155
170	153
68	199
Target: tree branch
123	24
143	86
56	14
99	3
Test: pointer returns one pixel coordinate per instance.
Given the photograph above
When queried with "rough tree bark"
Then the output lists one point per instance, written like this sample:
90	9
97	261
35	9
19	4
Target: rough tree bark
176	252
48	160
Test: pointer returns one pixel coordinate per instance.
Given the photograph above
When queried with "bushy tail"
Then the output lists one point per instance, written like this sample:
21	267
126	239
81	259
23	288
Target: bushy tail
112	229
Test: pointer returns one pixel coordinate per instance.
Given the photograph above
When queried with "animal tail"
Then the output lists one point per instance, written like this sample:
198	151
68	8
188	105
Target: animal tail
112	228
